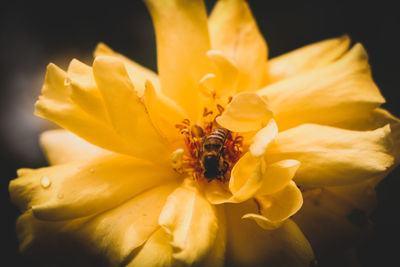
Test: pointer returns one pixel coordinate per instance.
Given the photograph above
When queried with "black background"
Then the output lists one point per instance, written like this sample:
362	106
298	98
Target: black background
33	34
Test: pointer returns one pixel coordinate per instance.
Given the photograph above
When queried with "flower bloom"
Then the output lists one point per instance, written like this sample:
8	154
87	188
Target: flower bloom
299	142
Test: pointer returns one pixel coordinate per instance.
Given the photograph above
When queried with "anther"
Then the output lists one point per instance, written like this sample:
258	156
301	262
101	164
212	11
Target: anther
197	131
220	109
207	112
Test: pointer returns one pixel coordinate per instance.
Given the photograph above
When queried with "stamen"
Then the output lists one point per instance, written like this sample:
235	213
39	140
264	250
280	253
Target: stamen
220	109
190	161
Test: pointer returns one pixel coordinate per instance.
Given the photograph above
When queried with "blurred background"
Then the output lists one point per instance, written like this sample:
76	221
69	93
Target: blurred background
35	33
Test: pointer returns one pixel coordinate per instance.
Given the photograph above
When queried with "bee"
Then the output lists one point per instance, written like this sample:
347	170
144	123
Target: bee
212	159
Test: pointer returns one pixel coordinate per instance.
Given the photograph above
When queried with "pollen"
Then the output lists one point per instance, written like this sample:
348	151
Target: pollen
207	161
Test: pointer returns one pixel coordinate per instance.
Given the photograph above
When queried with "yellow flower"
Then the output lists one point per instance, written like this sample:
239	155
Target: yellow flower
129	182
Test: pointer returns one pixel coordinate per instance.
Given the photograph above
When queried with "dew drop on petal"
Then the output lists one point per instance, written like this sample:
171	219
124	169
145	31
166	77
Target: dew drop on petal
60	195
45	181
91	170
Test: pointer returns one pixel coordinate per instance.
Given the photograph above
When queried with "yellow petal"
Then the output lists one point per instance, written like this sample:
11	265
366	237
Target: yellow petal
234	31
327	95
333	156
61	146
216	255
369	121
277	175
83	188
156	252
137	73
246	177
331	222
72	118
215	191
306	58
250	176
54	87
63	101
247	112
376	119
110	236
277	207
84	91
164	114
192	222
250	245
127	113
226	73
34	235
119	231
262	139
182	43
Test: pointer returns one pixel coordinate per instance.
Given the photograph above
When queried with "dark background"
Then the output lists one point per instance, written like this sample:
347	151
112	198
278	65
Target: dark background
32	34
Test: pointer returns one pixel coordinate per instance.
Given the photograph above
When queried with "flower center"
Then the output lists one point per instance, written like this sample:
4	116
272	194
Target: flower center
212	150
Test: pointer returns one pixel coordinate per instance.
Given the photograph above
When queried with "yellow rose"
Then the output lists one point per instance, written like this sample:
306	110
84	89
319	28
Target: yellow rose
296	144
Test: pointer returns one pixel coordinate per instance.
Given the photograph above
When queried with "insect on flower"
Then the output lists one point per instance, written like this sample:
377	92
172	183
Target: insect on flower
212	159
200	164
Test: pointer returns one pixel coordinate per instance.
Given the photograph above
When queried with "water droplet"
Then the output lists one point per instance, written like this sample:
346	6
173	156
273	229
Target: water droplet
60	195
91	170
45	181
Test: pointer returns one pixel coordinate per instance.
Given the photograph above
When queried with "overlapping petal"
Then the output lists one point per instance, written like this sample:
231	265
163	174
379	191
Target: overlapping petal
112	235
61	146
130	122
278	175
252	177
192	222
82	188
276	208
377	118
250	245
327	95
164	114
216	255
246	177
182	42
247	112
263	138
83	90
156	251
306	58
137	73
333	156
227	74
128	115
234	31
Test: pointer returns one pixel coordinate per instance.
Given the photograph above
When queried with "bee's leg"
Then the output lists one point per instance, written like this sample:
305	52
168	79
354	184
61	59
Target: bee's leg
226	167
